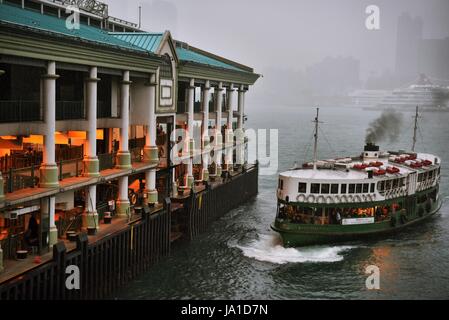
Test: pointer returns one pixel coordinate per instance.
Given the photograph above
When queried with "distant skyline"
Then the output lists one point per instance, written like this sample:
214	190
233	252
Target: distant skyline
288	33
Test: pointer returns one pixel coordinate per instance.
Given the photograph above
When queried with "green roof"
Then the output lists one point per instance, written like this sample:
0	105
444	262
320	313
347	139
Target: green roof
41	22
193	56
144	40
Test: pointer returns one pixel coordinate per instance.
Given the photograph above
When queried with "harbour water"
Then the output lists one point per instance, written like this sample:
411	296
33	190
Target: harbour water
239	257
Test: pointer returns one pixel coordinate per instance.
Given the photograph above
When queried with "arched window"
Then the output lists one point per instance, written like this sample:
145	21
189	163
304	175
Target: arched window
166	70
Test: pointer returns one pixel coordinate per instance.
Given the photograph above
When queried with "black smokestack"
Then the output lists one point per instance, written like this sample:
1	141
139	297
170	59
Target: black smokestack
386	127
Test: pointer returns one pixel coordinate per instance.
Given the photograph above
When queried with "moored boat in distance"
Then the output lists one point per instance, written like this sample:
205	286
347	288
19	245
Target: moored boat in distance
374	193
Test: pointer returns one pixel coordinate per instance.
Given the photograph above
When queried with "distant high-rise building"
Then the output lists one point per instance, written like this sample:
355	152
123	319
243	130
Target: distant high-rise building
409	37
416	55
433	58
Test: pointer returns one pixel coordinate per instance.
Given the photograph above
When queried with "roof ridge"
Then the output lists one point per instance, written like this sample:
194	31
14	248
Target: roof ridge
29	19
136	33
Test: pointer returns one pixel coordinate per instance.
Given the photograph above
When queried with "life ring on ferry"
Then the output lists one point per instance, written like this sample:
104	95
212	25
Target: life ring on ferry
311	199
321	199
301	198
329	200
132	196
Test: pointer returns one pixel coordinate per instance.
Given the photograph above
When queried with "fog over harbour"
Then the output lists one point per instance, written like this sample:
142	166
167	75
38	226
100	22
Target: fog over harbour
304	48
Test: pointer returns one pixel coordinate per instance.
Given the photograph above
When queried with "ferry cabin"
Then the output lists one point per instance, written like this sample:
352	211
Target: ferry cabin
89	117
359	190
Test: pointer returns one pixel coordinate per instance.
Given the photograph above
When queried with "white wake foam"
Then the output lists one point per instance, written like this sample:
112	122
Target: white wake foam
269	248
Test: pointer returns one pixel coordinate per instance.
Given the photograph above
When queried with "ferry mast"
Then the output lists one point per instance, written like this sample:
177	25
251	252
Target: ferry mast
415	129
315	147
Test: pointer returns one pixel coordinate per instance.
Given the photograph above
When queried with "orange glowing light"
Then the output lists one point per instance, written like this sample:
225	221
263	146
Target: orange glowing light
61	138
77	134
34	138
8	137
100	134
77	142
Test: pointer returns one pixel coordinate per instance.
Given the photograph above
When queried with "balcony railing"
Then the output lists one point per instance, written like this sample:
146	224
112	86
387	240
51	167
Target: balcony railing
16	179
19	111
107	161
136	154
103	110
70	110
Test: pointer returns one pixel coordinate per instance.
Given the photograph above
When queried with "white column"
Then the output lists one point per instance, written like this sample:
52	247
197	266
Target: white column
48	177
48	169
150	179
229	138
240	134
92	114
190	103
2	196
124	123
241	105
123	155
218	135
205	131
123	204
91	164
150	150
90	217
48	208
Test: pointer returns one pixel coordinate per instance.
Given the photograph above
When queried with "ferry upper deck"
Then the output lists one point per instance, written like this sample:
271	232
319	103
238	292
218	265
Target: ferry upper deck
372	176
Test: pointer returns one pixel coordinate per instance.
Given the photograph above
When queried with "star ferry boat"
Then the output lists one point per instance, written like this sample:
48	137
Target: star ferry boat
349	198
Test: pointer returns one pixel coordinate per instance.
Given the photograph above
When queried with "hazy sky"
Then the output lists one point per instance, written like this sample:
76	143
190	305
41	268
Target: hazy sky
286	33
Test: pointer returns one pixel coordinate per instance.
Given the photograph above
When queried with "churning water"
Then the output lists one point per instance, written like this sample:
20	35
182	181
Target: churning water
239	257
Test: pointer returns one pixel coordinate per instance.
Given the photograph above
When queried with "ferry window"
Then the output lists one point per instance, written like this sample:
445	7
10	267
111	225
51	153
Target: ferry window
325	188
373	188
315	188
420	177
381	186
365	187
430	175
395	183
402	182
352	188
281	184
359	188
388	185
302	187
334	188
343	188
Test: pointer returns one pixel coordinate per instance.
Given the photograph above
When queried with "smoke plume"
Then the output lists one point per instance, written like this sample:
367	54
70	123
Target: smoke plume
386	127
